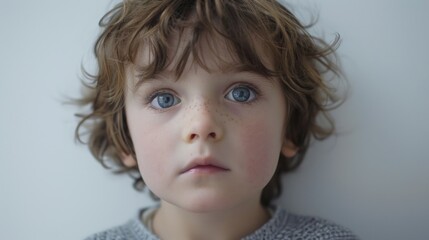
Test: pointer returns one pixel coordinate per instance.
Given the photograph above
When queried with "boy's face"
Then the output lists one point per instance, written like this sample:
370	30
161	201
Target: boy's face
209	141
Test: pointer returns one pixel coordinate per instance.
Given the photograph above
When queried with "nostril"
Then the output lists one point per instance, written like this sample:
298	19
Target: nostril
212	134
193	136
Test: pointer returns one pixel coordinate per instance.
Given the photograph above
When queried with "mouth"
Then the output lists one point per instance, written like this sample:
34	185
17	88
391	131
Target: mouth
204	166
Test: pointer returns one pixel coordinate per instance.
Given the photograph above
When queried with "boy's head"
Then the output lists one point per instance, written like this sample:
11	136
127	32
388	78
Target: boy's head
145	39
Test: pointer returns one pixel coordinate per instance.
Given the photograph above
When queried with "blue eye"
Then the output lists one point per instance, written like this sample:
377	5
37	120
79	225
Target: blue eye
241	94
164	100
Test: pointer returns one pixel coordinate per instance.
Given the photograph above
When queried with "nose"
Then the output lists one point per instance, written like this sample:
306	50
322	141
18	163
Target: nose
202	124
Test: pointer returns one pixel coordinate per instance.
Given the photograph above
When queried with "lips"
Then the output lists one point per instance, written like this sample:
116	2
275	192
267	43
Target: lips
204	165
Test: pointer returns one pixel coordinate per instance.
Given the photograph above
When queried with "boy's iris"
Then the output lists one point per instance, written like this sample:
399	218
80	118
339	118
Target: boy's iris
241	94
166	100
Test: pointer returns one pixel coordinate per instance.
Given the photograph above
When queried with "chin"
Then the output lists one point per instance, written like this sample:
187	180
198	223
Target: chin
205	203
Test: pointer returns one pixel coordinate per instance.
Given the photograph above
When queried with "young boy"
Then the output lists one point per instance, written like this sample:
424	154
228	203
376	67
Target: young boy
212	101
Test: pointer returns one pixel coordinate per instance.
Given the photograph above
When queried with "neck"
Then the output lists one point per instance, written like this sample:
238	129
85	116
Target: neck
172	222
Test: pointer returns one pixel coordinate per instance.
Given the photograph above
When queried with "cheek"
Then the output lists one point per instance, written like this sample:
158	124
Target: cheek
147	150
261	144
150	144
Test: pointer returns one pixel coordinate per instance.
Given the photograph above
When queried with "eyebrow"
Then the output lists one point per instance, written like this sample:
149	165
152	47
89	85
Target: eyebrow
152	78
165	75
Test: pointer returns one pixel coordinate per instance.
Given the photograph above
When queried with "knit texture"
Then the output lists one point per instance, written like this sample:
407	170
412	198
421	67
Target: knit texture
282	226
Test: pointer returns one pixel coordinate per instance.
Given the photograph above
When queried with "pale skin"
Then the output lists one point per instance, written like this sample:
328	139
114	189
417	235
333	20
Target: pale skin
206	145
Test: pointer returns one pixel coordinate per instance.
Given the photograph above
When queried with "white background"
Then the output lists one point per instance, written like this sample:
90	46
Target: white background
373	177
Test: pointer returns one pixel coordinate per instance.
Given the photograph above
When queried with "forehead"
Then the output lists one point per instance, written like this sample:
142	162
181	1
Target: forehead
186	49
181	47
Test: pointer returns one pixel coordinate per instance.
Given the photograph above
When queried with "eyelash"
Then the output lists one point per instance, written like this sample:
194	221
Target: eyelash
149	99
251	87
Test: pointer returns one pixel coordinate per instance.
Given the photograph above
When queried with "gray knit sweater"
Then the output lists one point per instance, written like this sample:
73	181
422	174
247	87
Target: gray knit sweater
282	226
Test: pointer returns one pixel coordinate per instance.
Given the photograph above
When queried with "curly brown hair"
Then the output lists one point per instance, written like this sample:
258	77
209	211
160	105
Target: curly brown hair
299	59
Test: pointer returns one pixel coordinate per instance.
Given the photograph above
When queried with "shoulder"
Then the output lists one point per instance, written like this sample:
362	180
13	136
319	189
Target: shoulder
313	228
116	233
132	230
287	226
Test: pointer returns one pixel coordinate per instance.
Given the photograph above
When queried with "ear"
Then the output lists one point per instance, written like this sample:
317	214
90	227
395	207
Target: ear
128	160
289	149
